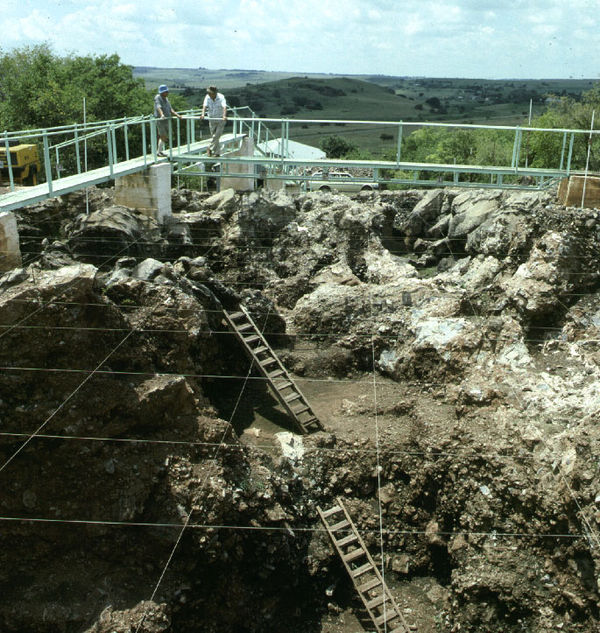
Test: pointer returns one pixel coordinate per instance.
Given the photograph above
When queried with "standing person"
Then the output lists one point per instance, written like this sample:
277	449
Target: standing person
216	105
163	111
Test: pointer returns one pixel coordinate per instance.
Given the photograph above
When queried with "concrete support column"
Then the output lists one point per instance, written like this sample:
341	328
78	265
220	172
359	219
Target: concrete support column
10	253
570	192
238	183
148	191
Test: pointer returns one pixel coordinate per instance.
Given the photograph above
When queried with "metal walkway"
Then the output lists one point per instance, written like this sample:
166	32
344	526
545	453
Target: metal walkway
64	153
366	577
266	361
23	196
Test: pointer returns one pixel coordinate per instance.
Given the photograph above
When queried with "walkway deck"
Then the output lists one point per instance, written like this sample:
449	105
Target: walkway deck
23	196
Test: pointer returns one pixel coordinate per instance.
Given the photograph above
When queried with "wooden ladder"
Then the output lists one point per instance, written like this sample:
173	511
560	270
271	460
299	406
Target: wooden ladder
284	388
365	575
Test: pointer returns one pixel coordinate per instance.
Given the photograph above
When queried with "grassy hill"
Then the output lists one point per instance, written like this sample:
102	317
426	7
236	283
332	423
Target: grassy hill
200	78
368	97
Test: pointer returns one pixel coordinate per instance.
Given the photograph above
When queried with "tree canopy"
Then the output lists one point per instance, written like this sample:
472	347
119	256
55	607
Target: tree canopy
568	113
336	146
41	89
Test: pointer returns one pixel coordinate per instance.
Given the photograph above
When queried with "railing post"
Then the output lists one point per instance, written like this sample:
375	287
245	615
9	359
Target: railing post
187	133
562	153
9	162
281	143
570	153
77	149
178	133
170	124
47	165
126	135
57	164
514	154
110	151
113	137
153	137
399	148
520	142
144	142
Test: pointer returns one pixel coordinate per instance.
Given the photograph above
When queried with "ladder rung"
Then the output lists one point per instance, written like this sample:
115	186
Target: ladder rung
313	422
363	569
268	361
236	315
390	614
371	584
252	339
334	510
260	349
244	327
301	409
377	601
282	385
276	373
354	554
339	526
347	540
293	397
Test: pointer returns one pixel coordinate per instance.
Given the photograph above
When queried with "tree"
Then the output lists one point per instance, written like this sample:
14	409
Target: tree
565	112
336	146
40	89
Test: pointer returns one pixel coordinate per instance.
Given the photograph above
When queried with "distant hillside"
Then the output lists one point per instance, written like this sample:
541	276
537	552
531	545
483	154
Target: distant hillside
368	97
200	78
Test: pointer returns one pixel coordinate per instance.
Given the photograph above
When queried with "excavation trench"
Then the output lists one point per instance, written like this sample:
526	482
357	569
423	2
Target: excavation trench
464	450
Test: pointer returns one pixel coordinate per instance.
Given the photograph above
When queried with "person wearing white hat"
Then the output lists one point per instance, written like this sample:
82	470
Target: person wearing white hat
163	111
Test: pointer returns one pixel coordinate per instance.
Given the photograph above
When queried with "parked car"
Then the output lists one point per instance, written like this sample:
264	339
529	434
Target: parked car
340	180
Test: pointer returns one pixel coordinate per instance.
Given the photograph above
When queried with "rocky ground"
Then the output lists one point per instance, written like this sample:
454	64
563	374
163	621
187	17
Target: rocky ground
448	340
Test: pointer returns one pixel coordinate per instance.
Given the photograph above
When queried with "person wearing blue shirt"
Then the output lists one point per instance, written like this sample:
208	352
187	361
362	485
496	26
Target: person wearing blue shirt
163	112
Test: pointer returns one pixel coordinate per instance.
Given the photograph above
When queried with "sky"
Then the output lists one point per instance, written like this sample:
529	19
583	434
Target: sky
454	38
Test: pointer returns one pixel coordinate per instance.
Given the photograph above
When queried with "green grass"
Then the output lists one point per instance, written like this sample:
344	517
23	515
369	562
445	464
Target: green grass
200	78
369	97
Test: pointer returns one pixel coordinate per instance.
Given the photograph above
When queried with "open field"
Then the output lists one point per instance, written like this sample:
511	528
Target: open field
372	97
200	78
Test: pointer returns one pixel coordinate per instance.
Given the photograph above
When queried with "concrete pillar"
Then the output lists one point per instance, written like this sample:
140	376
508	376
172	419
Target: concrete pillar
274	184
148	191
570	191
10	253
237	183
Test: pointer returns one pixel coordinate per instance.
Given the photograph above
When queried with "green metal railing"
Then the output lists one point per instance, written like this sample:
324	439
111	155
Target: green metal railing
79	149
516	172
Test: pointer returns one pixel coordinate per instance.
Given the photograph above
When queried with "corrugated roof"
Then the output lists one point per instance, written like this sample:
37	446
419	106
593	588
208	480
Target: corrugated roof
295	150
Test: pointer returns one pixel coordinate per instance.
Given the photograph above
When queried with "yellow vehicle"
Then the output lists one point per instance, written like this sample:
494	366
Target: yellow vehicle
25	164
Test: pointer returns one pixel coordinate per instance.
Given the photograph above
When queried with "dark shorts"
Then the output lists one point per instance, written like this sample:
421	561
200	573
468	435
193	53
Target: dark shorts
162	125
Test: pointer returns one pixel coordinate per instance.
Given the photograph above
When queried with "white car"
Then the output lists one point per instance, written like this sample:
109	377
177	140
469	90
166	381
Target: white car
340	180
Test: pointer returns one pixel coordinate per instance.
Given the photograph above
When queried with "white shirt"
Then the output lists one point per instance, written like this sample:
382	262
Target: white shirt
214	107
